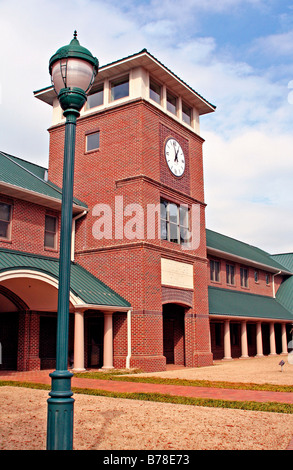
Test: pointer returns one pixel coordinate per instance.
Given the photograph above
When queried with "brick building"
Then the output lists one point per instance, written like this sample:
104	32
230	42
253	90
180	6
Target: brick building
150	285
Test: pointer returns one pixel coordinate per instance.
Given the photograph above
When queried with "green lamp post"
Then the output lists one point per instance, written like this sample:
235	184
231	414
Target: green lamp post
72	70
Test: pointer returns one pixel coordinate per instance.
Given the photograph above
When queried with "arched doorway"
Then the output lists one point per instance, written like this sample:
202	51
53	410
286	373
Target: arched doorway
28	319
10	308
174	334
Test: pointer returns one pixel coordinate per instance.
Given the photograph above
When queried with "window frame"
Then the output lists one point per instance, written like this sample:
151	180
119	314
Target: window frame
154	93
7	222
244	277
99	90
230	274
215	274
189	120
118	82
87	136
179	225
55	233
170	105
256	276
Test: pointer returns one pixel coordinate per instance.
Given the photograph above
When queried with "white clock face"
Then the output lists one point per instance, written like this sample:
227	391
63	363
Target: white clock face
175	157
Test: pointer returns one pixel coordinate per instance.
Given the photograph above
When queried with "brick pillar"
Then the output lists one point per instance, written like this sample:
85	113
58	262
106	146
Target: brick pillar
34	361
23	336
28	341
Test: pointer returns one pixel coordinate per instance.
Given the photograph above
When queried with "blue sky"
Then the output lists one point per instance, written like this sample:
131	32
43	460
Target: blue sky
238	54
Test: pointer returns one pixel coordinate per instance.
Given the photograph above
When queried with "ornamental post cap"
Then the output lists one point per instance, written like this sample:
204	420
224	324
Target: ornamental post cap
73	50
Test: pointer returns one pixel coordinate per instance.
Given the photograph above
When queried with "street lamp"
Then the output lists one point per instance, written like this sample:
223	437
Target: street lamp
72	69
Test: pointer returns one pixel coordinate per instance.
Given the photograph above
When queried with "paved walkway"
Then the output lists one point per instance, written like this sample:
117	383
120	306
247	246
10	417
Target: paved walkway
133	387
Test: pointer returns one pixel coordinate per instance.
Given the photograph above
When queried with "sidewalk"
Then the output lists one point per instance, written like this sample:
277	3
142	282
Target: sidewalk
42	377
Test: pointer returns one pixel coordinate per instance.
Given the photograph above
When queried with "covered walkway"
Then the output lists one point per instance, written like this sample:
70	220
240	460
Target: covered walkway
28	313
245	325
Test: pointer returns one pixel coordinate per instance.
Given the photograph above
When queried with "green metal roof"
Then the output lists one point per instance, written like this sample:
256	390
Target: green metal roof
82	283
241	304
28	176
243	250
286	259
30	166
285	292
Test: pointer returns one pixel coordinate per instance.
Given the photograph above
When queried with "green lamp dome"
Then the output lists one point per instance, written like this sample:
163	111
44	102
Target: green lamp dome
73	50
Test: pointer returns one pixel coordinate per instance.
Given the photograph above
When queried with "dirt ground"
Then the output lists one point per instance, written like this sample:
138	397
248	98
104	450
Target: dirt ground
119	424
253	370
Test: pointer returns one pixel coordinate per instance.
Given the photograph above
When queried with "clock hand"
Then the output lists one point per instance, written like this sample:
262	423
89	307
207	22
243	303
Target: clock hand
176	156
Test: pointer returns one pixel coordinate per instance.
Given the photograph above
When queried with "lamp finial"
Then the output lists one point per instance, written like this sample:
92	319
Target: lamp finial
75	34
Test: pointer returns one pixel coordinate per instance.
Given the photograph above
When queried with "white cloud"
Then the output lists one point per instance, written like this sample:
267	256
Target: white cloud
248	180
277	44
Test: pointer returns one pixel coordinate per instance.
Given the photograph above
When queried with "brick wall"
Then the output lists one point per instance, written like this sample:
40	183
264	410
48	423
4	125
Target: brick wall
260	287
28	341
130	168
28	227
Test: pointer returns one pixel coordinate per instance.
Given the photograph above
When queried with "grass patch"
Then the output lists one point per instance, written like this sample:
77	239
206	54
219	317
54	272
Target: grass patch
123	376
273	407
14	383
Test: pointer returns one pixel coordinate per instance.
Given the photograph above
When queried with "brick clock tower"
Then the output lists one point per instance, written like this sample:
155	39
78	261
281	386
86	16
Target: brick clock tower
139	169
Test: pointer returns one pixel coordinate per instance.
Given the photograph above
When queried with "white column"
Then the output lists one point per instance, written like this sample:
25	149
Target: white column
227	340
179	110
78	341
107	91
108	340
164	97
259	349
128	339
272	340
244	344
284	339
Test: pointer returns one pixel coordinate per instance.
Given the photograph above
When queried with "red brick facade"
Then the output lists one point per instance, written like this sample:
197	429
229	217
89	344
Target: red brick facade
28	227
259	281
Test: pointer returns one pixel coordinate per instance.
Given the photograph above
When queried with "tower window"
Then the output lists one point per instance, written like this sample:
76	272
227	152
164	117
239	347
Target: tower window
119	88
174	222
171	103
186	113
96	99
155	92
92	141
